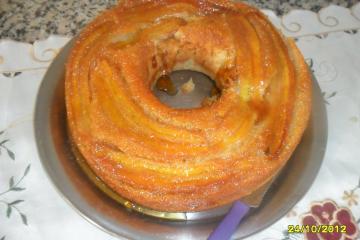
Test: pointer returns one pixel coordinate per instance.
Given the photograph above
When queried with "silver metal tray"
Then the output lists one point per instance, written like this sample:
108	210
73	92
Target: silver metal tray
75	187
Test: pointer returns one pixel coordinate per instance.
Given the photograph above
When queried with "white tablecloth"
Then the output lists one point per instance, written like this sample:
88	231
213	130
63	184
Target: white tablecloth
30	208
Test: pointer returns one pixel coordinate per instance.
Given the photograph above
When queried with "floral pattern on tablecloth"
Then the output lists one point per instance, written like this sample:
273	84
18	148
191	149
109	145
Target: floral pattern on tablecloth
328	213
326	220
324	215
14	185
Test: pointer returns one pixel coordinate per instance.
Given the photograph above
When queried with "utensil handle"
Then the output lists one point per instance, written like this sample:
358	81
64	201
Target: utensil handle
230	222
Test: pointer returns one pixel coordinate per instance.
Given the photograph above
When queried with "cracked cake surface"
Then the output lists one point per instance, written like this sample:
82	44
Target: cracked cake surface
185	159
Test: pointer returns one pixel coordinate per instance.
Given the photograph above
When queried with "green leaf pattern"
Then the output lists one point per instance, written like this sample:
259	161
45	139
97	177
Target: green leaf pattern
326	96
3	146
14	185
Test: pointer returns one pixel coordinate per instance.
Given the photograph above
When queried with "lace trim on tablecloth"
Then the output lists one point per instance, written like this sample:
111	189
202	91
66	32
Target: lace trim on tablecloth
297	24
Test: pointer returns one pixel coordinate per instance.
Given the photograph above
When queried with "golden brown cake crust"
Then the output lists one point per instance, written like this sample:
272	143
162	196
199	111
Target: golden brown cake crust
185	159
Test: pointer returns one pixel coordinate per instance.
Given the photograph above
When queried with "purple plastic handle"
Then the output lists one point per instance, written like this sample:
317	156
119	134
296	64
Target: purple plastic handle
230	222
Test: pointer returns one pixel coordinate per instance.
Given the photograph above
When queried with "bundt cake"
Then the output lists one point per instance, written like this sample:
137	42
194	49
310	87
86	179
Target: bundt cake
194	159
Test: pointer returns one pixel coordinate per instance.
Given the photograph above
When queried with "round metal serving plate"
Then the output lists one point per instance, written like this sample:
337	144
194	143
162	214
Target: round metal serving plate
75	187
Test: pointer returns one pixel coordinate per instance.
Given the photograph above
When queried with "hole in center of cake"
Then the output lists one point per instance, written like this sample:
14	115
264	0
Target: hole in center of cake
184	89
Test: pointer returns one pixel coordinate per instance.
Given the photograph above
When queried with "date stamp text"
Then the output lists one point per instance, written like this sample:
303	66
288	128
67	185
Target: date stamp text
316	229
